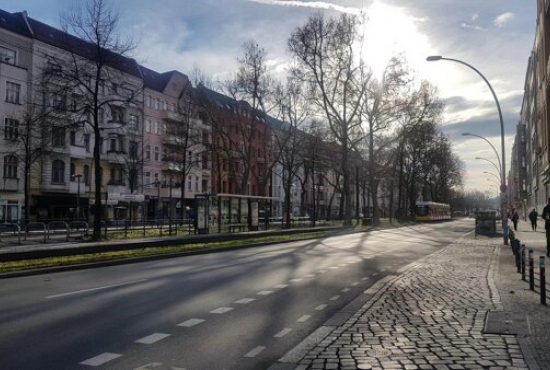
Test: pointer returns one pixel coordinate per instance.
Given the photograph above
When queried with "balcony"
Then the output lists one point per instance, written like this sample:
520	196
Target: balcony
117	189
174	117
55	187
11	185
80	152
115	156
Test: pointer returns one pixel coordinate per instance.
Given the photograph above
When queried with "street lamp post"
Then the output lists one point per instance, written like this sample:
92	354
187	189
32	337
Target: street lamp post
492	174
503	188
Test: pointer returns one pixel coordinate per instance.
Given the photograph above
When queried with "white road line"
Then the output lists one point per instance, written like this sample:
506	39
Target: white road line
255	352
295	280
365	278
321	271
101	359
191	322
320	307
345	290
245	300
282	333
153	338
343	264
304	318
335	298
94	289
265	292
221	310
309	276
334	267
355	283
281	286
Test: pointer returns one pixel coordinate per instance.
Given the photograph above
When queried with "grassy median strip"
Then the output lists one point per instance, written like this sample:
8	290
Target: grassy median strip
144	252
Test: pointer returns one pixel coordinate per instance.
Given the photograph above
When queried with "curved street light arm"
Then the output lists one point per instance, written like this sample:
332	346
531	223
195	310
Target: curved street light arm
503	163
492	174
493	163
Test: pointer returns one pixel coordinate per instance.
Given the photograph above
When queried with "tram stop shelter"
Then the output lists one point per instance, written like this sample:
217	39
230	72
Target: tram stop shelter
231	212
486	222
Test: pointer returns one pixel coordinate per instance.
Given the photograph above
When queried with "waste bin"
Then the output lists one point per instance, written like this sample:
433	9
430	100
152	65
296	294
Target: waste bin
486	222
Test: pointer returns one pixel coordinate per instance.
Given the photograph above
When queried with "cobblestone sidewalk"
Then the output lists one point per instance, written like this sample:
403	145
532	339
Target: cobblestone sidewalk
429	317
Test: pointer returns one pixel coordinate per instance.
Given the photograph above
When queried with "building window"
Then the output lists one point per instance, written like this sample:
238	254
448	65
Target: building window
148	179
13	92
112	145
73	138
148	126
86	174
87	142
133	149
189	183
11	129
157	128
7	55
58	137
58	172
157	183
73	171
117	115
10	167
147	151
197	184
157	154
59	102
133	122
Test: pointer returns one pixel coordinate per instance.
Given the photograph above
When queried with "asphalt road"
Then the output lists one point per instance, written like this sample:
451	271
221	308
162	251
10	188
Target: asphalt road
237	310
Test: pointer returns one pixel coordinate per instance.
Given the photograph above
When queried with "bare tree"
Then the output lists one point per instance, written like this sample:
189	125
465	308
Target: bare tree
27	141
106	85
289	138
329	60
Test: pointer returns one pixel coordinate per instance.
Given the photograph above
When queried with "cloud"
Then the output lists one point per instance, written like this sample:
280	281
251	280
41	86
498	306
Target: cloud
503	19
475	16
472	26
312	4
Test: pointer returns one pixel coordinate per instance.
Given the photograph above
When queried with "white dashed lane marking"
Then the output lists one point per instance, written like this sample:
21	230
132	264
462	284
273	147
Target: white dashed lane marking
355	284
245	300
191	322
221	310
153	338
101	359
345	290
295	280
304	318
255	352
334	267
282	333
320	307
265	292
335	298
309	276
281	286
94	289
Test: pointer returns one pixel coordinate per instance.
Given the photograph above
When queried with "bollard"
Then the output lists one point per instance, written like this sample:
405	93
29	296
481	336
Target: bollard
516	249
542	280
531	270
523	262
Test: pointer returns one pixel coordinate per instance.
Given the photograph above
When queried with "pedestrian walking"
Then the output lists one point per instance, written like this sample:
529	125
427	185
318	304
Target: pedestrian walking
546	218
533	215
515	219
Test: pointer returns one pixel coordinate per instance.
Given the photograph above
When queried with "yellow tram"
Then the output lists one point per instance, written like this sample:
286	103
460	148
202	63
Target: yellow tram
431	211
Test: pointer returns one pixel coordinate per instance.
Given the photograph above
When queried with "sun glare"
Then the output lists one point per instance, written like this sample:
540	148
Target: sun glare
390	31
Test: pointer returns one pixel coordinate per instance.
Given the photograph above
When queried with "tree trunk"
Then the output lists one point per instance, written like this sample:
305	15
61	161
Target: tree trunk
97	182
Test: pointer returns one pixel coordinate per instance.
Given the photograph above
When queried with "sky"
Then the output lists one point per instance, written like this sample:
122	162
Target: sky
494	36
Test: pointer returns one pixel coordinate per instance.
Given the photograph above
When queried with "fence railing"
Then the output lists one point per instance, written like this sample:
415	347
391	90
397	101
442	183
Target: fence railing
532	271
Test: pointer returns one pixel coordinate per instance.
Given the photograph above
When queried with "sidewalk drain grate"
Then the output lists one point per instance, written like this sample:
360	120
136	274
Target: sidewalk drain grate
506	323
378	352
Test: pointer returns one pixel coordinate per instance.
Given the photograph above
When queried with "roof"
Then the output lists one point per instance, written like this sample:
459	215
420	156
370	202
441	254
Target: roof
14	22
22	24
